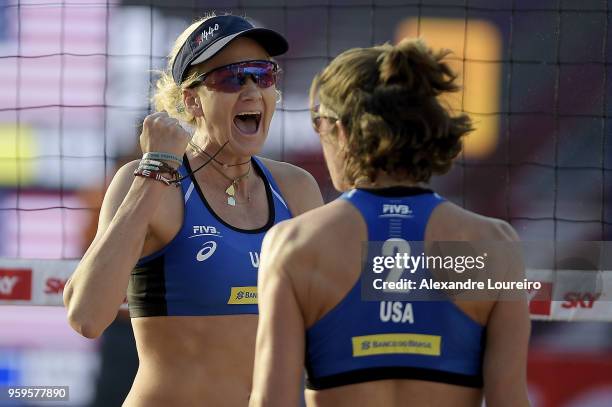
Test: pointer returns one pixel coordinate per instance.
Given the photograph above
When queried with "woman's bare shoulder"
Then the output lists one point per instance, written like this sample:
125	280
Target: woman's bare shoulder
297	185
452	222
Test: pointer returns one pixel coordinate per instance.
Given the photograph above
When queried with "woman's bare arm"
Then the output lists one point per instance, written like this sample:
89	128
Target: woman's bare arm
279	357
98	286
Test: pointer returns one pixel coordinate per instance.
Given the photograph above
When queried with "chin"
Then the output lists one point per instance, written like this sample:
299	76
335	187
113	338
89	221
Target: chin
247	145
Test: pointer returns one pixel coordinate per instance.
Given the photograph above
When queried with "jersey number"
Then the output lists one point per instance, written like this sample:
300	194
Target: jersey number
390	248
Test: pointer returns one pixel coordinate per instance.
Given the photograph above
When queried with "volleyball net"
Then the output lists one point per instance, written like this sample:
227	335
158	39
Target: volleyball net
76	78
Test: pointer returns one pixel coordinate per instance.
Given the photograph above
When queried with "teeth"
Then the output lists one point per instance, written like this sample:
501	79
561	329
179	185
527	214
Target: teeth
248	114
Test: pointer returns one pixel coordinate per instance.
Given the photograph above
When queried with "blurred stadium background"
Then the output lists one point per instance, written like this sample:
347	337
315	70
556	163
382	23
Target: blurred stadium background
75	78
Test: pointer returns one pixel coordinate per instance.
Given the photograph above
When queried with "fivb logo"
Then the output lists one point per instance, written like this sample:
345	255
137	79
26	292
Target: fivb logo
202	230
393	211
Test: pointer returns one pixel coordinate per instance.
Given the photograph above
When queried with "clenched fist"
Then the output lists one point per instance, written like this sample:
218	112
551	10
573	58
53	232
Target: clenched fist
163	134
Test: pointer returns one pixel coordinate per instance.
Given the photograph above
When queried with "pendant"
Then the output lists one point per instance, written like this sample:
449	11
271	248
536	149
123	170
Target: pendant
231	192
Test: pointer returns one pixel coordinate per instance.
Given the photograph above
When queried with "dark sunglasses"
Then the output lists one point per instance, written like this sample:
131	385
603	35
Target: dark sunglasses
316	117
230	78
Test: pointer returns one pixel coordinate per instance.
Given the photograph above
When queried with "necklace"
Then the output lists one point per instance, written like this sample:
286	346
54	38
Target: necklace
230	191
198	150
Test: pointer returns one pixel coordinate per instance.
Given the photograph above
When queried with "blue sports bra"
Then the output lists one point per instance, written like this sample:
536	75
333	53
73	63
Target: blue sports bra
210	267
360	341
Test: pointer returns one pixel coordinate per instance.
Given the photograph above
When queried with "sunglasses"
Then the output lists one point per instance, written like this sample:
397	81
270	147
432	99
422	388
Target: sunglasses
231	78
316	117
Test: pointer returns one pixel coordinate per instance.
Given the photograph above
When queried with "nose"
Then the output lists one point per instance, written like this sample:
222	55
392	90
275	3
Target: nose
250	90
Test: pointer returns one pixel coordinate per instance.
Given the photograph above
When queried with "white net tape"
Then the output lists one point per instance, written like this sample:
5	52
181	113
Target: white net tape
40	282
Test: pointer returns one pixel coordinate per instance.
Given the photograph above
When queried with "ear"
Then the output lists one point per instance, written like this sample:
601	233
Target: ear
192	102
342	134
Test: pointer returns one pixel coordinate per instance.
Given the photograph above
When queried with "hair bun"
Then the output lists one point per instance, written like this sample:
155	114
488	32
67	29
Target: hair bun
395	67
386	99
414	66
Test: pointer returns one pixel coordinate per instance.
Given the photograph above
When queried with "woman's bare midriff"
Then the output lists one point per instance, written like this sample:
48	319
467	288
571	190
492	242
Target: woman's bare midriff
396	393
193	361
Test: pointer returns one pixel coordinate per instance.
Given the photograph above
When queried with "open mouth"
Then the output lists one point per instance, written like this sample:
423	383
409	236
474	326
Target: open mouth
248	122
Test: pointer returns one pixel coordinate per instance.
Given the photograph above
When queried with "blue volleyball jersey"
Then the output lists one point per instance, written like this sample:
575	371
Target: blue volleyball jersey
209	267
359	341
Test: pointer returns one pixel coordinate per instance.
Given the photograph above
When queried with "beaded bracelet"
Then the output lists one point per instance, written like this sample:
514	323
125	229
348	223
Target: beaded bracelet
157	166
156	175
154	169
162	156
149	167
151	162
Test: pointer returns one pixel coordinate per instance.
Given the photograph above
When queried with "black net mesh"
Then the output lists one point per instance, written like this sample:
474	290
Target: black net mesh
77	75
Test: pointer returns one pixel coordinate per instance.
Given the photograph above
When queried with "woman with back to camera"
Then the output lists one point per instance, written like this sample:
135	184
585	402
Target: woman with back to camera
383	133
188	256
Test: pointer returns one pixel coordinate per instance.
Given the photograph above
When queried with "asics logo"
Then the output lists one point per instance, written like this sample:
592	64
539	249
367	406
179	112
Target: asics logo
207	250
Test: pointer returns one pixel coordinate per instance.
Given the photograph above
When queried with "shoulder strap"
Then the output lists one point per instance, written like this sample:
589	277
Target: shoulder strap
273	185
